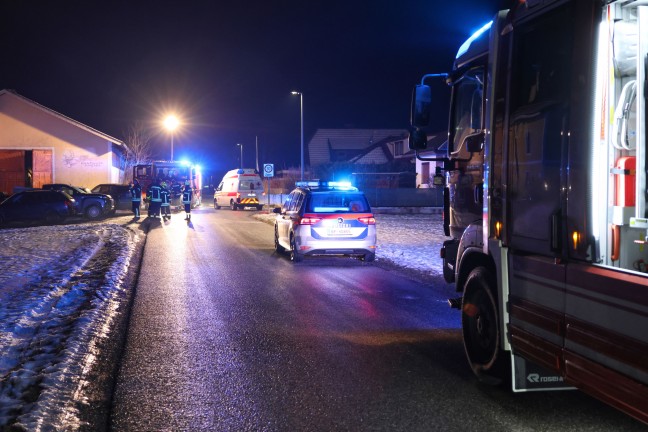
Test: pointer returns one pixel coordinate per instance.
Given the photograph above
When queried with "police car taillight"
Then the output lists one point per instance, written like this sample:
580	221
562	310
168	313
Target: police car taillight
368	220
309	220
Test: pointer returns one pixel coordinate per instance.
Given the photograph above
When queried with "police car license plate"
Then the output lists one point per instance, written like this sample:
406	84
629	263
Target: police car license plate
338	232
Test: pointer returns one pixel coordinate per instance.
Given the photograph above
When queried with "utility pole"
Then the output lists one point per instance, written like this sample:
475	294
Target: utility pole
256	140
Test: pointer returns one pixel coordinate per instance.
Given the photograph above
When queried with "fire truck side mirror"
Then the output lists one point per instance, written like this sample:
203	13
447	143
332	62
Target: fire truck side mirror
421	105
417	140
475	142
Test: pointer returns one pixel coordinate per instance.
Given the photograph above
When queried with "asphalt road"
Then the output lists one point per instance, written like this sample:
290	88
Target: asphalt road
227	335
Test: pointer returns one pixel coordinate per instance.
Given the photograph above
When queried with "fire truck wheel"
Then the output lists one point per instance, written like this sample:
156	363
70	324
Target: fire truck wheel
481	331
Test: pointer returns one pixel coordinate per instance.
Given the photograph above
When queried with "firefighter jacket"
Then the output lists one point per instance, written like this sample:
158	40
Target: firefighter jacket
165	197
136	192
187	194
154	193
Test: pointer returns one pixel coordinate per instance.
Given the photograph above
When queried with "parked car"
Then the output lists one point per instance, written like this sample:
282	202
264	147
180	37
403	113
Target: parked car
325	218
37	205
119	192
91	205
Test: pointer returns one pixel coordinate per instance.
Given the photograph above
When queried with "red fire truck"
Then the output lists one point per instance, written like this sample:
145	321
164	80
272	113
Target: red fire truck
175	174
545	197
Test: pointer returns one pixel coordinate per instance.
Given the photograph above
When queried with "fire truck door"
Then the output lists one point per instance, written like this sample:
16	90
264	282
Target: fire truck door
539	116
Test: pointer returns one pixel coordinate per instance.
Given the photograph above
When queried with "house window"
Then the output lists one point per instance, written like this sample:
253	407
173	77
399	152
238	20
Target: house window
399	148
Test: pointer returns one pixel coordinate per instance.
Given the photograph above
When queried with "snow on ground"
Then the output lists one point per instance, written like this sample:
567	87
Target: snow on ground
410	241
63	288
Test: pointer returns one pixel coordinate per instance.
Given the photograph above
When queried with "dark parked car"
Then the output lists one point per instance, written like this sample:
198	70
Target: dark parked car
37	205
91	205
119	192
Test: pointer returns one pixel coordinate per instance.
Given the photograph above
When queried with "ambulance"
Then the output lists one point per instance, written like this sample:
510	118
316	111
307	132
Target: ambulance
240	188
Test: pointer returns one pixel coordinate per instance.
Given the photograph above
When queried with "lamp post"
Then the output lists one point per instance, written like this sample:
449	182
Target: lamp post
301	116
171	123
241	154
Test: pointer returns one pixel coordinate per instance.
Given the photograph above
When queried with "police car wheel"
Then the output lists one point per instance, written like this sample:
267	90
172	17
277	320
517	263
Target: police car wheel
370	257
277	246
294	255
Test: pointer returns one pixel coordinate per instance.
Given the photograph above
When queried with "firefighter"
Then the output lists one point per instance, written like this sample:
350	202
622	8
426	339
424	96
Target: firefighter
154	193
187	195
136	198
166	201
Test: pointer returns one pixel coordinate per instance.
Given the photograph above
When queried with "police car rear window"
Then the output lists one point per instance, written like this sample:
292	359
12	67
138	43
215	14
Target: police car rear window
250	184
336	202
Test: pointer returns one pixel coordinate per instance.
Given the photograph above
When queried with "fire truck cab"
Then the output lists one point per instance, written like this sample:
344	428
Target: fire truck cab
545	197
175	174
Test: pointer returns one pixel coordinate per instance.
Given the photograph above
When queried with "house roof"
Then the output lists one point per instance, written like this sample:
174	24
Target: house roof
12	93
377	153
355	140
436	144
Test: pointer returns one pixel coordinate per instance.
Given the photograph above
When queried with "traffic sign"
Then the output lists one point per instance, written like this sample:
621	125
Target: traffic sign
268	170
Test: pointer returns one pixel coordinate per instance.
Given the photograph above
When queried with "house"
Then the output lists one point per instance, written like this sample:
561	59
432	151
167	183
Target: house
39	145
373	157
361	145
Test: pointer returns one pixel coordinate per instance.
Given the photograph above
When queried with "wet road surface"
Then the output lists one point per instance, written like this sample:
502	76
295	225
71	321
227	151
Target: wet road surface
227	335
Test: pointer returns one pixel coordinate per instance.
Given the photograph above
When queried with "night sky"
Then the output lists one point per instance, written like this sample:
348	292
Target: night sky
228	67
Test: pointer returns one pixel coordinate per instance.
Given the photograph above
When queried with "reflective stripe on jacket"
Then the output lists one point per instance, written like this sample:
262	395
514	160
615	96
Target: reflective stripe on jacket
164	194
154	193
187	193
136	192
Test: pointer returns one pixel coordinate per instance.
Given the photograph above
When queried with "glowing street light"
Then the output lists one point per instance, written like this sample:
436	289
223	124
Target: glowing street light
171	123
241	154
301	116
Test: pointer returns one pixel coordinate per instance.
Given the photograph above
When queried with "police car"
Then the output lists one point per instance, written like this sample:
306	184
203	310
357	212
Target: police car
325	218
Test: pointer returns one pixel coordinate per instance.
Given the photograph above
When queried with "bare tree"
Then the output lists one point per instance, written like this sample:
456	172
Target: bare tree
138	143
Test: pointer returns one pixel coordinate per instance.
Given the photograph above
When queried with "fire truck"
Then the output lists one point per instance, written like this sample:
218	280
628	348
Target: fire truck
175	174
545	197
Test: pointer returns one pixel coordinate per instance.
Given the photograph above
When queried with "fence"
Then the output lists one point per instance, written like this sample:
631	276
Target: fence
379	197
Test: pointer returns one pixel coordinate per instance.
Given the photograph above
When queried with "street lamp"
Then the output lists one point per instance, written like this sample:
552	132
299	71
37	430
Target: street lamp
301	116
171	123
241	154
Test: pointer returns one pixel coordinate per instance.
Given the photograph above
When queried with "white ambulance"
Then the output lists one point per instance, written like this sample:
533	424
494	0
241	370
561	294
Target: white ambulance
240	188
